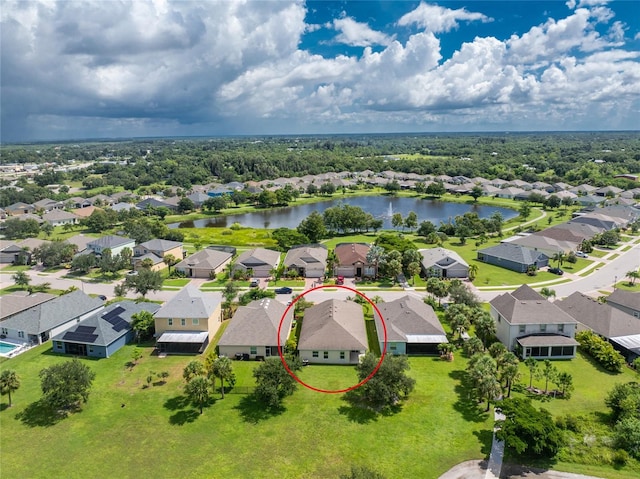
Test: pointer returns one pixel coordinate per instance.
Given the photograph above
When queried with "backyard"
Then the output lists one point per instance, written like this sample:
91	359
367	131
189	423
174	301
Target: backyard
129	430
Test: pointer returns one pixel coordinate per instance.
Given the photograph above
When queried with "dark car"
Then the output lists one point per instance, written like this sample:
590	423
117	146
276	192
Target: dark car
284	290
557	271
254	283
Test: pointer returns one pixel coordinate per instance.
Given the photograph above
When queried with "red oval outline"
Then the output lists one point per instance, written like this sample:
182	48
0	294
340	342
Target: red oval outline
332	391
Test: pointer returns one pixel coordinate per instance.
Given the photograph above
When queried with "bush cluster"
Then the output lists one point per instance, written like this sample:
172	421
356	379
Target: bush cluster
601	350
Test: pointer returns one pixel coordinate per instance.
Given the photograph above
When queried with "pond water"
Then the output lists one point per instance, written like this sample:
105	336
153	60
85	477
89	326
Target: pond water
379	206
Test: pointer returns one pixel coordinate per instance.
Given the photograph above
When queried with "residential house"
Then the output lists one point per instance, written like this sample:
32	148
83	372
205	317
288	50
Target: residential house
626	301
10	252
19	208
443	263
47	204
544	244
534	327
513	256
583	189
154	203
412	327
510	192
104	332
123	207
59	218
560	186
618	327
78	202
490	190
205	263
259	262
333	332
608	191
155	250
351	261
85	212
590	200
254	328
42	321
100	200
526	194
307	261
198	198
187	322
15	303
115	243
28	216
80	241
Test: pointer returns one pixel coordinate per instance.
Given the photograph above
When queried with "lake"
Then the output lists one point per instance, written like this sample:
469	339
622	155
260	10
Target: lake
379	206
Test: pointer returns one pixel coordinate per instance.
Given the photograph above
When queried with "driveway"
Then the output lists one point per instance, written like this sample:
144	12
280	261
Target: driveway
478	470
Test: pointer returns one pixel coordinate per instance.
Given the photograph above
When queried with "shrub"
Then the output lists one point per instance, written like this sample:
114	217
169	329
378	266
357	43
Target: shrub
601	350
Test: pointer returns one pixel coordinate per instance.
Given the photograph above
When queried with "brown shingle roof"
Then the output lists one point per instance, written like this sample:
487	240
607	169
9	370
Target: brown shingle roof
333	325
351	253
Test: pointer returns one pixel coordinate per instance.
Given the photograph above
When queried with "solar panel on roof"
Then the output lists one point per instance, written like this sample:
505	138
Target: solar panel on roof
121	325
80	337
85	329
114	312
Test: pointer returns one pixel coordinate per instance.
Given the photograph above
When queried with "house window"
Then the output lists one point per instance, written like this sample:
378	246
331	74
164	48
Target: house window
636	314
561	328
341	354
393	347
90	350
4	331
314	354
522	329
183	322
326	355
253	350
195	322
21	334
543	328
170	322
499	318
58	345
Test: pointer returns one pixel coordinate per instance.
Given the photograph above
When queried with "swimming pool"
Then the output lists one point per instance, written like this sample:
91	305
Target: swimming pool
6	348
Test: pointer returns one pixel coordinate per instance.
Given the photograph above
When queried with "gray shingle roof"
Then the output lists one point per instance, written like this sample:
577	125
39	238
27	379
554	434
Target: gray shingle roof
190	303
160	245
601	318
514	252
333	325
204	259
258	257
53	313
407	316
256	324
14	303
306	255
625	298
104	330
529	310
111	241
434	256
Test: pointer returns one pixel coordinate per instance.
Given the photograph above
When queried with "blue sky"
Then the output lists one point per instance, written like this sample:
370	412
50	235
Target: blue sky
106	68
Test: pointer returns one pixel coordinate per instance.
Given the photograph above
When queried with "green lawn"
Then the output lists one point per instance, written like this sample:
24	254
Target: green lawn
599	253
235	437
176	282
291	283
628	286
13	268
249	237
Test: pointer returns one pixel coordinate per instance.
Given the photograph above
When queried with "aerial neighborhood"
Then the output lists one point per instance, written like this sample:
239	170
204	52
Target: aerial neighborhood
485	290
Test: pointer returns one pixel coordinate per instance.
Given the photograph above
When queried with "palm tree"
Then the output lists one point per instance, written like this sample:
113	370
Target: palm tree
374	255
559	257
547	292
473	272
197	390
169	260
9	382
532	366
223	369
548	373
633	275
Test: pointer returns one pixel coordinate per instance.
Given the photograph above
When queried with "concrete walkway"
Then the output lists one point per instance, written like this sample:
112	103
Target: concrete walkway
494	466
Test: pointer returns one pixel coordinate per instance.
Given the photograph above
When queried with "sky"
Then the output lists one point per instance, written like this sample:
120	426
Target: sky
119	68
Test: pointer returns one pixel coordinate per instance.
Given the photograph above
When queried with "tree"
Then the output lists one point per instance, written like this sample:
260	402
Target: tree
627	435
553	202
388	386
459	293
287	238
426	228
438	288
327	189
532	366
435	189
47	229
633	275
273	382
559	258
473	346
146	280
83	263
21	279
510	373
624	400
143	323
564	381
197	390
484	324
525	210
547	292
375	255
411	221
392	187
185	204
459	323
313	227
473	272
223	370
65	385
397	220
9	382
413	269
216	204
476	192
55	253
483	372
170	260
528	431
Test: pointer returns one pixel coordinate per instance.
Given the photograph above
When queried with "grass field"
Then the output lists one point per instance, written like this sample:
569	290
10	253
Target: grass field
318	435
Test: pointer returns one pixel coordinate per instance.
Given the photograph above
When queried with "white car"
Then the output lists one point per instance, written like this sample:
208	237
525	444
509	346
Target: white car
580	254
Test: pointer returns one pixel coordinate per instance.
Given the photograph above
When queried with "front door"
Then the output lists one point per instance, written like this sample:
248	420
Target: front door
359	272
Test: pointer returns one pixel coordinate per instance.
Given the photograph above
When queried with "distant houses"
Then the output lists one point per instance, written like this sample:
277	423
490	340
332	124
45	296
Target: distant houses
514	257
443	263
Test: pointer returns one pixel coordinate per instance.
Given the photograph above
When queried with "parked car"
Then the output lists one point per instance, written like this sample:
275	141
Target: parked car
580	254
254	283
340	280
283	290
557	271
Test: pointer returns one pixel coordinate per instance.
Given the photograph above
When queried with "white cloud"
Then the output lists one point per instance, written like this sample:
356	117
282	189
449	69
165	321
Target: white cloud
585	3
437	19
358	34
